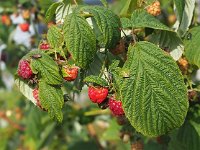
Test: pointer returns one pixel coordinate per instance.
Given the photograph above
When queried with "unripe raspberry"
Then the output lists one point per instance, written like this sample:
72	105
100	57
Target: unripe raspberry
183	65
97	94
116	107
24	69
71	72
154	9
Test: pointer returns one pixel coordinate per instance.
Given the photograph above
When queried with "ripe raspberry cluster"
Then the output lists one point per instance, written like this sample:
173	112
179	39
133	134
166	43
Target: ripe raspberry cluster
24	69
99	95
25	72
44	46
154	9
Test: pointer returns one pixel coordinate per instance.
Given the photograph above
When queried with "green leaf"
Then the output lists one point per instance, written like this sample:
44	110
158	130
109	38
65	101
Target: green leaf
46	67
154	96
51	11
180	4
55	37
96	80
126	23
62	10
80	40
104	2
170	41
187	17
125	9
25	89
141	19
108	23
51	98
192	47
187	137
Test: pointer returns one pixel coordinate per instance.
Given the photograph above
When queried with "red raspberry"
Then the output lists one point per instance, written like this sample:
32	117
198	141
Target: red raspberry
71	72
24	69
24	27
97	94
36	96
116	107
44	46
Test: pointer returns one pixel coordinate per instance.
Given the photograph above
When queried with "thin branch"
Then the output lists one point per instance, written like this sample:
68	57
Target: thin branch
12	123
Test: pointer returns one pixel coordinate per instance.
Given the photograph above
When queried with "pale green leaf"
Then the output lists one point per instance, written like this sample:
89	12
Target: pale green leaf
80	40
25	89
192	47
141	19
187	17
169	41
62	10
51	98
154	96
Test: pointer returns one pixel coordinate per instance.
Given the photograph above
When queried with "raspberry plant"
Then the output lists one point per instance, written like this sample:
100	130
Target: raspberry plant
139	69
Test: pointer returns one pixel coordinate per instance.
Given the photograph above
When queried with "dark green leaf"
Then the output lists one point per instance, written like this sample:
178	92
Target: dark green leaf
108	23
51	98
80	40
180	5
55	37
126	23
51	11
46	67
187	137
141	19
154	97
96	80
192	46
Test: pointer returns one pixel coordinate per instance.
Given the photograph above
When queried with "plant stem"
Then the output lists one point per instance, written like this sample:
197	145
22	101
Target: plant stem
75	2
